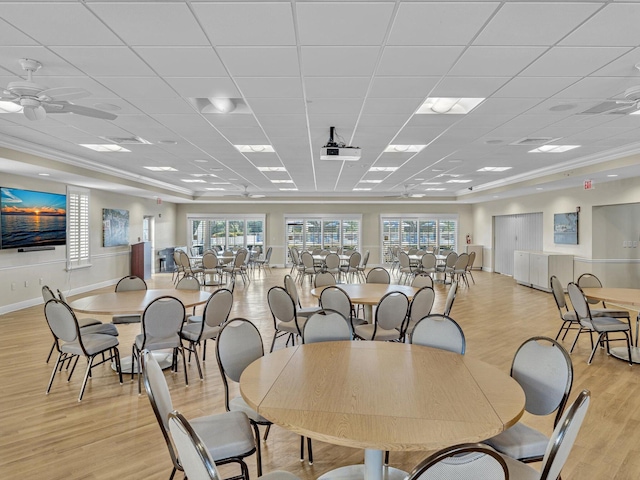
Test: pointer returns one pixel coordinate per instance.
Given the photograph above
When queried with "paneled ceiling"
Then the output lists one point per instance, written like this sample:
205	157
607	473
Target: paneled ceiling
550	73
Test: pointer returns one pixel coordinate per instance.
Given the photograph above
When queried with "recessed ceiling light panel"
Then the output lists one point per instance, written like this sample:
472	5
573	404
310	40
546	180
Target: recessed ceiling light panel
255	148
553	148
404	148
383	169
494	169
105	148
161	169
272	169
448	106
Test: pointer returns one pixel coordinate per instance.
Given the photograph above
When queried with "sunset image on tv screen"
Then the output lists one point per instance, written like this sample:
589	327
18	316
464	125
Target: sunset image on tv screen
31	219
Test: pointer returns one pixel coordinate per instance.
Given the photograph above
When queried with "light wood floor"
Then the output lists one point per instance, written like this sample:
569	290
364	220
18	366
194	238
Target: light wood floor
113	434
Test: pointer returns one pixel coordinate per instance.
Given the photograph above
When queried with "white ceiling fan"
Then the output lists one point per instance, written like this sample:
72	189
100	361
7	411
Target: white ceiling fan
406	193
36	101
245	193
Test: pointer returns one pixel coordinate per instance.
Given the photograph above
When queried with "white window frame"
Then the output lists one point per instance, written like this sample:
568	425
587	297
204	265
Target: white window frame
225	217
78	228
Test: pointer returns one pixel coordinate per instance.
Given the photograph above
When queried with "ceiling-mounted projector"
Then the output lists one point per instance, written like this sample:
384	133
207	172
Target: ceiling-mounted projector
338	151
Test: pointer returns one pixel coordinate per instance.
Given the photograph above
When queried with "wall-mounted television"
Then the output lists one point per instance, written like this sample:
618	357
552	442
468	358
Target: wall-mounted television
32	219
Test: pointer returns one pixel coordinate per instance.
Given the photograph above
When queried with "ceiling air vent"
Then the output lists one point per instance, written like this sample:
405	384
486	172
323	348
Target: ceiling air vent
528	141
127	140
608	107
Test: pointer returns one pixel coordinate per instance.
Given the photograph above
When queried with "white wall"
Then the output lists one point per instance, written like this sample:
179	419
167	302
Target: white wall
108	263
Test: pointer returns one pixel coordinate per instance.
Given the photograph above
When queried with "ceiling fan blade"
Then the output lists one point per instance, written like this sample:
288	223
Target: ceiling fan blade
64	93
34	112
65	107
7	95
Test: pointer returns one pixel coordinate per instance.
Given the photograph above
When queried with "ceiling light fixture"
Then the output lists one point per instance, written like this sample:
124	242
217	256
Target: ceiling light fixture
383	169
161	169
46	174
433	189
494	169
370	181
105	148
255	148
404	148
553	148
193	180
272	169
281	181
448	106
223	105
288	189
213	189
432	183
9	107
458	181
610	175
358	189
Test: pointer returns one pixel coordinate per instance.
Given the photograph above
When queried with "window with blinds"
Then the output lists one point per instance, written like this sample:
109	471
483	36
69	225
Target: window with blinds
78	253
222	232
327	232
416	231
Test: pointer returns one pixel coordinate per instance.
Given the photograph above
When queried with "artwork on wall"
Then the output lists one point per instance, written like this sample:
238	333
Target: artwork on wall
565	228
115	227
32	219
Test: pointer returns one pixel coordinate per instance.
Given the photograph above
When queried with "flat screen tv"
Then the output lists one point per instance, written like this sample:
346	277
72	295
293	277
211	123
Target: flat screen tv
32	219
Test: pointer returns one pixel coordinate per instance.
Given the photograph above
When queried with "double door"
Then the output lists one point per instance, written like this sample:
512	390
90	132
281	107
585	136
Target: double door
515	232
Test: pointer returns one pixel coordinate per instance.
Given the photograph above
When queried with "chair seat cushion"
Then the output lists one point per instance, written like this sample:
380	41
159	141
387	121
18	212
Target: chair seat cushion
238	404
519	470
226	434
127	318
154	343
306	311
520	442
290	327
101	328
366	331
192	332
606	324
570	316
194	319
85	322
93	343
609	312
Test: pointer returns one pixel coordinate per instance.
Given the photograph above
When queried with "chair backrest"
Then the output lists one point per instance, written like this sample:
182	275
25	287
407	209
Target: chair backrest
365	260
579	302
428	261
241	255
194	455
413	251
267	256
295	257
188	283
461	262
452	257
47	294
451	296
160	398
209	260
421	304
130	283
163	318
61	296
62	321
217	309
336	299
326	326
472	259
558	293
316	251
354	259
392	310
544	370
332	261
439	331
589	280
282	306
238	345
307	259
564	436
378	275
422	280
404	260
468	461
292	290
323	279
183	258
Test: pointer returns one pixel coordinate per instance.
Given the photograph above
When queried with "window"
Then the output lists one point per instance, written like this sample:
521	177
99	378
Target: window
78	254
415	231
327	232
224	231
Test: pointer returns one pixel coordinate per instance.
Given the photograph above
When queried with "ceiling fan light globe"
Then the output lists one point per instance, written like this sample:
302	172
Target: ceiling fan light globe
223	105
9	107
34	113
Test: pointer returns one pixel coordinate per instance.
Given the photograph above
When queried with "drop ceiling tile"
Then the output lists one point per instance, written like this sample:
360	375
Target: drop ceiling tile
9	35
352	23
247	23
204	87
261	61
138	87
58	23
139	23
573	61
319	126
417	61
334	105
386	120
480	87
183	61
109	61
480	120
336	87
405	106
417	136
52	64
624	66
597	87
534	23
402	87
535	86
615	24
224	120
276	105
116	106
443	23
278	120
244	136
495	61
355	61
506	106
440	121
162	105
286	133
270	87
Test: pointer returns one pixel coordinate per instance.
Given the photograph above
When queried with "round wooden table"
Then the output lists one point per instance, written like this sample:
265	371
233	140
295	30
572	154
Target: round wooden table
627	298
381	396
369	294
135	301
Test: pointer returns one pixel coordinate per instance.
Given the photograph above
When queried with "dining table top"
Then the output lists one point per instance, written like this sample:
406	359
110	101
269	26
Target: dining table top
134	301
619	296
382	395
369	293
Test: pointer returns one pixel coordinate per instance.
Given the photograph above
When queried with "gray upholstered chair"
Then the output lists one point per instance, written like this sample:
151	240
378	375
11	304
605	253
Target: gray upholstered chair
285	318
544	370
363	265
195	457
428	264
468	461
264	263
589	280
334	298
161	324
460	268
447	266
332	264
568	317
350	270
472	260
127	284
292	290
235	267
326	326
451	296
559	446
603	326
308	267
201	328
422	280
226	437
71	343
419	307
390	316
324	279
378	275
406	268
189	282
210	267
439	331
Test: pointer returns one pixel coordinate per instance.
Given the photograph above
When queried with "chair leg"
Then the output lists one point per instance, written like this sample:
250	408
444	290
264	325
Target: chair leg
310	451
193	348
266	432
86	377
256	431
576	340
593	350
53	373
386	458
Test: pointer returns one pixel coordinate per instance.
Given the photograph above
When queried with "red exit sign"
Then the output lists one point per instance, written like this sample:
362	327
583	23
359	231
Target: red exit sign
588	185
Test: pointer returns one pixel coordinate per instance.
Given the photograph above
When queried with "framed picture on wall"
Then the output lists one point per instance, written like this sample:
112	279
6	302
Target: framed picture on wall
565	228
115	227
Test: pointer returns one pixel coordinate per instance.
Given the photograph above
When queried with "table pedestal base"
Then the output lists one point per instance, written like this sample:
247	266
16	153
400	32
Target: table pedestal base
163	359
371	470
622	354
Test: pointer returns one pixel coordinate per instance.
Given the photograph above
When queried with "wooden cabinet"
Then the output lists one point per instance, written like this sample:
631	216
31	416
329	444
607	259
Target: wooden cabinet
141	260
535	268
